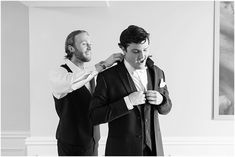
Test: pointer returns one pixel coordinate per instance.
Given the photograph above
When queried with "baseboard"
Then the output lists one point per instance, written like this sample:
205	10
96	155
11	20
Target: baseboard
41	146
13	143
199	146
173	146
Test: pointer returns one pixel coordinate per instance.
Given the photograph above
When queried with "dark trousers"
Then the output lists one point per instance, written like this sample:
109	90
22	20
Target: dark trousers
148	152
65	149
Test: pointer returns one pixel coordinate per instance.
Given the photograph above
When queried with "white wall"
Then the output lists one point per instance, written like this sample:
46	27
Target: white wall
181	44
15	66
15	105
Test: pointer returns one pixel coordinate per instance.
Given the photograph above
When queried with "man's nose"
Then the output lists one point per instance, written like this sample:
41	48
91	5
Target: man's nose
89	46
141	55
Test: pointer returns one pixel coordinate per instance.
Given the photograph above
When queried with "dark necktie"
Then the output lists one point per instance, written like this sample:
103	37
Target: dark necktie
96	128
92	84
147	110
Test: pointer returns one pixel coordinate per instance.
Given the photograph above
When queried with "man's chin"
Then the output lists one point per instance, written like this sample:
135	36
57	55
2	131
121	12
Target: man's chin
87	59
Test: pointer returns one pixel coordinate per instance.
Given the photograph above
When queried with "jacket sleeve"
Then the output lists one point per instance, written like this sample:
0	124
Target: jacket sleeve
166	105
102	110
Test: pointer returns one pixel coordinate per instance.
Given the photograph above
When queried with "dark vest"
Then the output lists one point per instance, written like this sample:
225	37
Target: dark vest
74	124
147	122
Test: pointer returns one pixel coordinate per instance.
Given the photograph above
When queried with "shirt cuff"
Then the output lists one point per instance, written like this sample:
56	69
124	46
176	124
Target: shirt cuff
128	103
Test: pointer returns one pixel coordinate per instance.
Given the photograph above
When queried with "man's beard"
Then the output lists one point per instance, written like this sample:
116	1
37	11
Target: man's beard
83	58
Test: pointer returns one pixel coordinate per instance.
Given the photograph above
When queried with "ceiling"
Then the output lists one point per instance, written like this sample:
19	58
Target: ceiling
66	3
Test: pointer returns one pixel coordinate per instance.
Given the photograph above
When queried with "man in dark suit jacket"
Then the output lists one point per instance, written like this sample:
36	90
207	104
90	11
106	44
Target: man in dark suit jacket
129	96
72	86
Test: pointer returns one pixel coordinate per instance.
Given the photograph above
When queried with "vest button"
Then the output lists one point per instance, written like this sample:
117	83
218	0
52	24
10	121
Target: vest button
138	136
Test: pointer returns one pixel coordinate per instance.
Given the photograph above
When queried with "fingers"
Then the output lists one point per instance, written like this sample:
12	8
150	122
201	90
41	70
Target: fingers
141	96
152	102
140	92
137	98
114	58
154	97
118	56
151	93
151	96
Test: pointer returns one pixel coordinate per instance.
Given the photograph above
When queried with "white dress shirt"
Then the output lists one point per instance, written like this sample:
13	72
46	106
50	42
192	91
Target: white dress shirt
140	79
62	82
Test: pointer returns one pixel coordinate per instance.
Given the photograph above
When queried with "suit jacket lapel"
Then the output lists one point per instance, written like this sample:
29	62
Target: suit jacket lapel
152	72
154	75
150	80
126	78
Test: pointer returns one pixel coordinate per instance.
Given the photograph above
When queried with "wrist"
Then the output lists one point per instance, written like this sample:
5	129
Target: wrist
103	65
98	68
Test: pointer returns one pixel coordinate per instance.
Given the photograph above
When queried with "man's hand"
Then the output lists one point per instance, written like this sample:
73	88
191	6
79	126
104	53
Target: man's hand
137	98
154	97
113	59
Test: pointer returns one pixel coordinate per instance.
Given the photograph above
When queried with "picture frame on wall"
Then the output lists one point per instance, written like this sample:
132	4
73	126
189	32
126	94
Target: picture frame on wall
223	104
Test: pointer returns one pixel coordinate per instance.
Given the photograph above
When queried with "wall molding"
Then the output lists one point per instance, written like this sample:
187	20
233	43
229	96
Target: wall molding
105	3
14	134
172	146
198	141
13	143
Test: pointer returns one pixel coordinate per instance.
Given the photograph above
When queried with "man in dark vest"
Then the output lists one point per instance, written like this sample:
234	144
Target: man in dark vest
129	96
72	86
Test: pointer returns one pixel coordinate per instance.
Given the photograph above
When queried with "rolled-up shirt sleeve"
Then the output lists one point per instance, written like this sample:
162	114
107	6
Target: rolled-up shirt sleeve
63	82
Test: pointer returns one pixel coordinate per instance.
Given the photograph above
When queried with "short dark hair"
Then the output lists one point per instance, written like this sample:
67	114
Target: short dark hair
70	41
133	34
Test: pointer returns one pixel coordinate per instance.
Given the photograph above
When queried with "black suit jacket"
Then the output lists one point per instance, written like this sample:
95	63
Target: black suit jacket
108	105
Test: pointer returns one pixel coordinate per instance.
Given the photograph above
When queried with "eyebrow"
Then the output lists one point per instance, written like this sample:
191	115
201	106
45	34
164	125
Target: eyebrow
85	41
139	49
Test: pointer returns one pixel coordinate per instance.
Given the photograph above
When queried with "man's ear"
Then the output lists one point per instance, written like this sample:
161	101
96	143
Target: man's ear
121	47
71	48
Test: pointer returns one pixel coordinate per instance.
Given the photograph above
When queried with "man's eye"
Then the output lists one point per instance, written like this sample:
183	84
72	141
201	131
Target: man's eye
135	51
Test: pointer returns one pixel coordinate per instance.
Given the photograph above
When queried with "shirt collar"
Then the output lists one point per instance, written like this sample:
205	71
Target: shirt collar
72	66
131	69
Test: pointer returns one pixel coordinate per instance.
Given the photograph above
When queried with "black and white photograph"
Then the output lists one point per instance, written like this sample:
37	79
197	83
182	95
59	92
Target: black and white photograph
117	78
224	60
